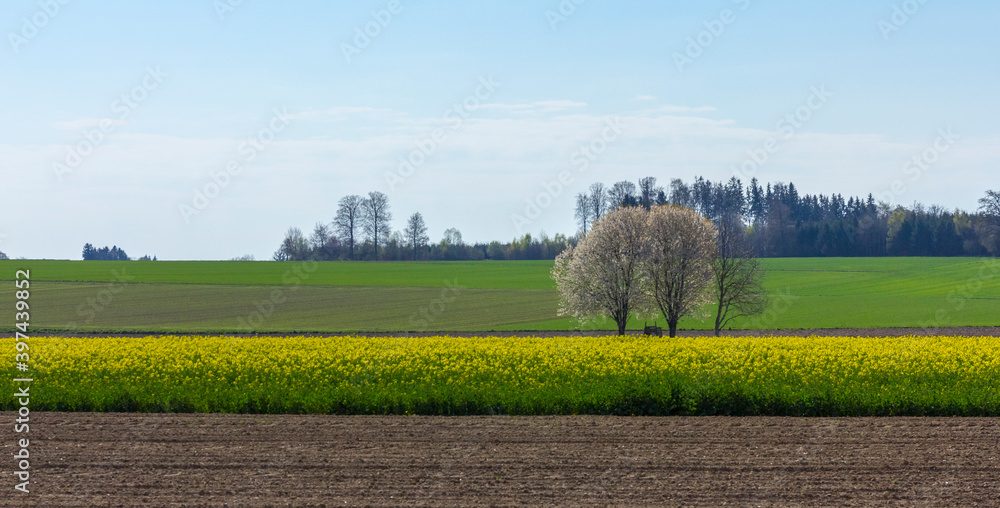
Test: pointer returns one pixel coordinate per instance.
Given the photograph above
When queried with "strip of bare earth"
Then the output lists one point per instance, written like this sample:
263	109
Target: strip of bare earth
956	331
213	460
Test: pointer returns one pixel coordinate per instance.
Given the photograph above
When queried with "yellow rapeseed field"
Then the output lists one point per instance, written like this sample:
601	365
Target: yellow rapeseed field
490	375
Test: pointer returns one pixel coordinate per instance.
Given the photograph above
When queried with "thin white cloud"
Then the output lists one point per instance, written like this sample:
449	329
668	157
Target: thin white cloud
84	123
342	112
683	109
535	107
552	106
495	161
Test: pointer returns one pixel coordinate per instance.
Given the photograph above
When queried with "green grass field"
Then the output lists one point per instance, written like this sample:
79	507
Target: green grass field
219	297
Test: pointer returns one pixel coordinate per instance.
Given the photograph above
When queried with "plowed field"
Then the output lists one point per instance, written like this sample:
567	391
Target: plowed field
87	459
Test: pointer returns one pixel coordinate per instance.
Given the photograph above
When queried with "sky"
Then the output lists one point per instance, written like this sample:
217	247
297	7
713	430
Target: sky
204	129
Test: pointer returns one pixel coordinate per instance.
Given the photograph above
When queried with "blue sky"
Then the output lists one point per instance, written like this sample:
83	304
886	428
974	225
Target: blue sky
898	80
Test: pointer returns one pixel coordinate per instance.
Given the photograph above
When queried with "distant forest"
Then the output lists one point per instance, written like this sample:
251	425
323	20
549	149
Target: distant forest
360	232
779	222
108	254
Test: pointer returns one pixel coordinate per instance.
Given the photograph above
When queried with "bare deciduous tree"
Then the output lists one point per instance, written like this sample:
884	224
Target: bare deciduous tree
622	194
739	277
416	233
320	236
988	229
680	193
348	220
990	205
324	244
452	238
294	247
376	217
603	274
583	213
679	264
598	200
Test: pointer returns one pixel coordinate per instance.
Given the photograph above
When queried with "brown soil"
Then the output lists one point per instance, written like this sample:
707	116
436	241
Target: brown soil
963	331
237	460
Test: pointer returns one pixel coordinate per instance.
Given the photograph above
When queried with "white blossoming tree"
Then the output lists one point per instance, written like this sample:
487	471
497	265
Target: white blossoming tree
603	276
679	266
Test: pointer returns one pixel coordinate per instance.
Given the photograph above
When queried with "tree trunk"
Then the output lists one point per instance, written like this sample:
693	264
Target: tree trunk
672	323
621	326
718	320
